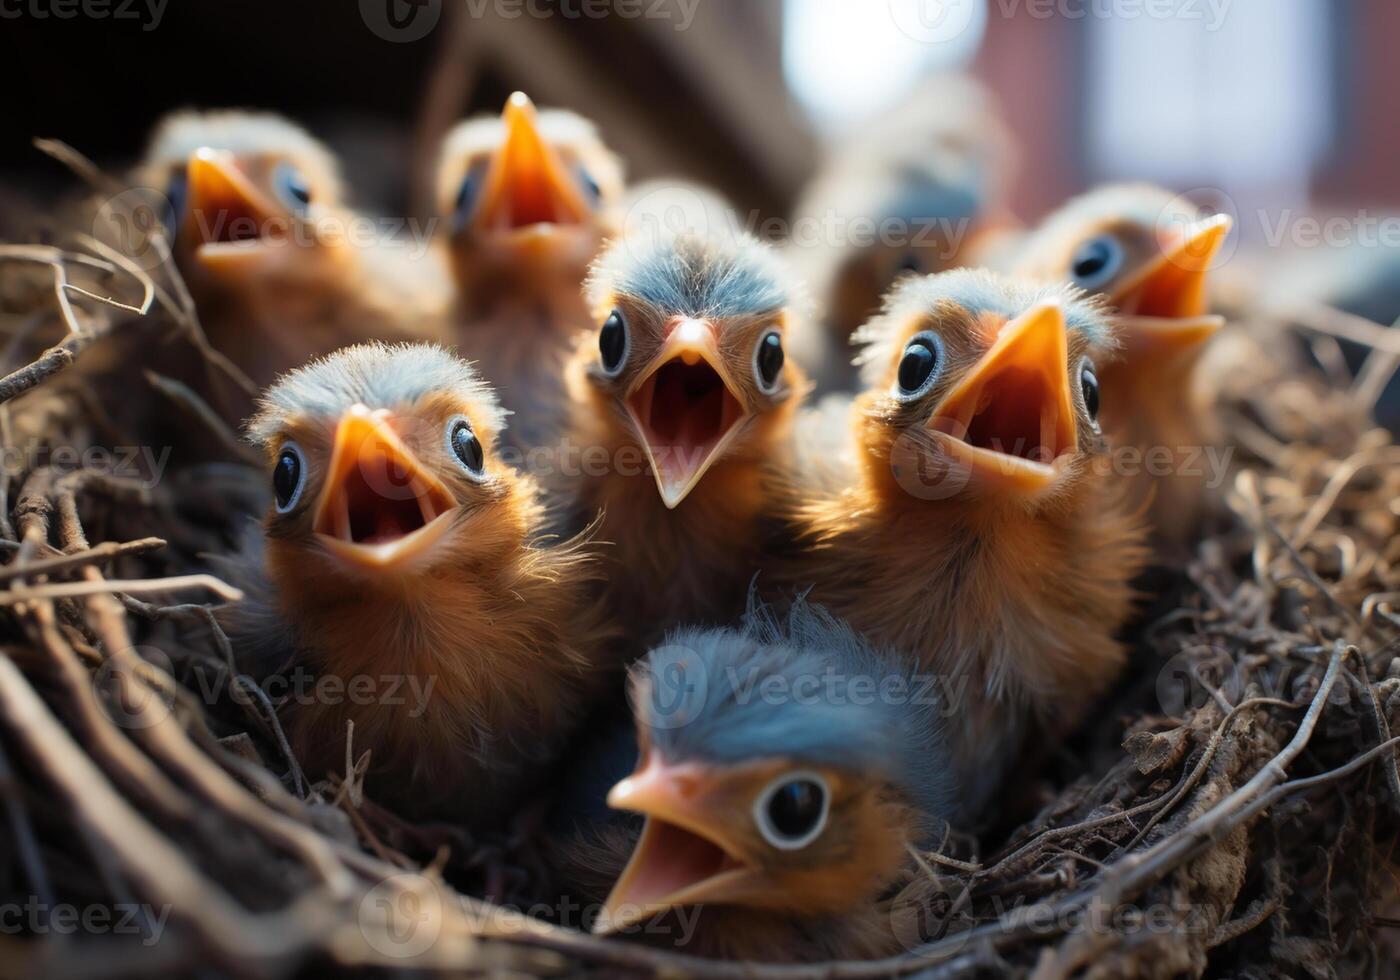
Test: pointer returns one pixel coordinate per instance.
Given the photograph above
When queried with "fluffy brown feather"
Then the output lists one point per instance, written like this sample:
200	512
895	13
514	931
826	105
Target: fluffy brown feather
1012	600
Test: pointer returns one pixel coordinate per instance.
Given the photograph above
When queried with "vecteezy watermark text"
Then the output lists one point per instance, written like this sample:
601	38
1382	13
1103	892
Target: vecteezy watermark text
148	12
37	918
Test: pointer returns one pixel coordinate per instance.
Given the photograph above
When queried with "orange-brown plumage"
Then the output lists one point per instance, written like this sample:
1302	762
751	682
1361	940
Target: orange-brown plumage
531	197
684	426
280	268
776	827
398	560
1148	254
981	533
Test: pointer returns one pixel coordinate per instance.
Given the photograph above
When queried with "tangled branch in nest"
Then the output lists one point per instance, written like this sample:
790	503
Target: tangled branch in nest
1247	826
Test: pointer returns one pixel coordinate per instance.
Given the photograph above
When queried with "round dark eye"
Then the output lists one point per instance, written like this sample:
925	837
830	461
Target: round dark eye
612	343
909	264
768	360
466	200
792	811
591	190
1096	262
1089	387
919	364
292	187
288	477
466	446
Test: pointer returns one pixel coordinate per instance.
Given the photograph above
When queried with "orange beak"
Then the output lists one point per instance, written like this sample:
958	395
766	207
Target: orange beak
683	856
1162	311
226	216
379	507
686	408
1013	416
527	183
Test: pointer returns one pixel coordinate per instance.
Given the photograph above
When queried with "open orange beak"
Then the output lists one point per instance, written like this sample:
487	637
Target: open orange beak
686	409
1012	417
683	856
226	216
1162	311
527	184
380	507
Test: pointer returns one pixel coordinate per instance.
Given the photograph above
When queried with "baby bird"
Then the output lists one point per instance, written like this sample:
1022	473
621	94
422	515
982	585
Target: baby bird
916	191
1149	255
777	825
269	250
982	536
405	560
530	196
686	388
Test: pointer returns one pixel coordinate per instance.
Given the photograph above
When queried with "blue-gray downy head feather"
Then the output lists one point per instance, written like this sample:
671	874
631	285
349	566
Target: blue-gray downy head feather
805	688
375	375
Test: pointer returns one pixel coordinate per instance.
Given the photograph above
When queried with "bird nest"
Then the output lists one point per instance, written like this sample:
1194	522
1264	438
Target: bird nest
1232	808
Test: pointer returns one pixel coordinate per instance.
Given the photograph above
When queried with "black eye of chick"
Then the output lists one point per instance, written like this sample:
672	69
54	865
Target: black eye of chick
795	808
612	342
909	264
466	446
769	360
286	477
917	365
292	187
1096	262
1089	386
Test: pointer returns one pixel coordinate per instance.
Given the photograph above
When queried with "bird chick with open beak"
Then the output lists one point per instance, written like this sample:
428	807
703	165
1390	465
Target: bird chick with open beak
530	196
776	827
686	388
1149	255
407	561
982	535
276	262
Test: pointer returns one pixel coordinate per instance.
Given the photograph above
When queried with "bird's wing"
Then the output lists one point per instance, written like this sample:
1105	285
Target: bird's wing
263	641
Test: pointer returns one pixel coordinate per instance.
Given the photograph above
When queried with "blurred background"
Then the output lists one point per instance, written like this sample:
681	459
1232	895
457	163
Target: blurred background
1275	104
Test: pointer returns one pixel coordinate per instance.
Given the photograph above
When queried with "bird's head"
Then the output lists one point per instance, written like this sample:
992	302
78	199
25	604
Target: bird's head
800	804
1148	254
525	190
382	468
982	387
689	360
251	196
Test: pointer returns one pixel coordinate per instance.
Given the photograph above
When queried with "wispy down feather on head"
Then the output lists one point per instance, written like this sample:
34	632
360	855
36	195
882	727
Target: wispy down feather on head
721	275
805	688
376	375
972	289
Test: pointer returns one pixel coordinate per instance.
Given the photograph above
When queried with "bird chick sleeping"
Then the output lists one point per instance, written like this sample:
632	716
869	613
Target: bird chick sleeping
269	250
777	827
981	535
1149	256
400	549
686	387
531	197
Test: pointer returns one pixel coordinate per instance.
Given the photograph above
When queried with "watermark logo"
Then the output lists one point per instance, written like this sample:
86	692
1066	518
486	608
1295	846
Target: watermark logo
401	21
133	689
402	916
934	21
677	689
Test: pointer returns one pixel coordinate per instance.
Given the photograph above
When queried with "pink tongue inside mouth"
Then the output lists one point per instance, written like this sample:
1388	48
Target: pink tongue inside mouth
687	405
377	517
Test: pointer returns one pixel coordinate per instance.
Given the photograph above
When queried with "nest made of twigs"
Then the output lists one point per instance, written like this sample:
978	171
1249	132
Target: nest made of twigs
1234	810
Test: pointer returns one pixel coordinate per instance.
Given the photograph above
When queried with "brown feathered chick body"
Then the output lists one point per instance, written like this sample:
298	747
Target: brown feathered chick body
1148	253
981	534
530	196
405	557
679	404
280	268
776	828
